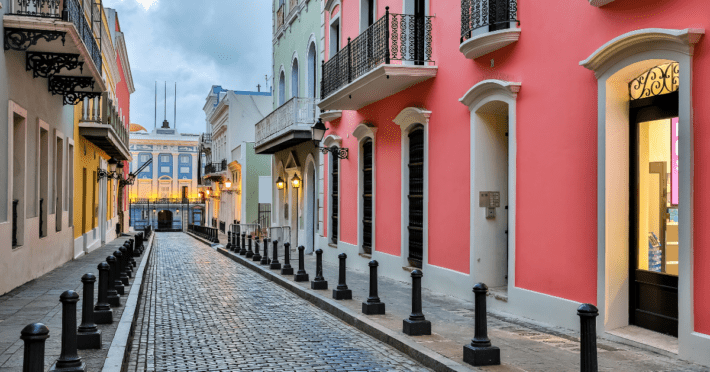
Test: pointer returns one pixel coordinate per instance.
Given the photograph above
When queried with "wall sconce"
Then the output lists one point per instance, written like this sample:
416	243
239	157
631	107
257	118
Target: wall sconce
177	211
280	184
295	181
228	184
153	210
317	132
111	173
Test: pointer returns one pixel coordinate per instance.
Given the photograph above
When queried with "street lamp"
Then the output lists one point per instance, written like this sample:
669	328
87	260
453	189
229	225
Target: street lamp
280	184
228	184
295	181
317	132
111	173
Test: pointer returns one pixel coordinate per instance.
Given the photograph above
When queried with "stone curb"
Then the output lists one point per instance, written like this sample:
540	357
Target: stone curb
118	351
401	342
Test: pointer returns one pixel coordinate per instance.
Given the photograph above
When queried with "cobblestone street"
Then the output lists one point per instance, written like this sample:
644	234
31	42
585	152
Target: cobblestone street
200	311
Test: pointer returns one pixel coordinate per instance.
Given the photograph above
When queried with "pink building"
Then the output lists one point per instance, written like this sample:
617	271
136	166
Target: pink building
551	149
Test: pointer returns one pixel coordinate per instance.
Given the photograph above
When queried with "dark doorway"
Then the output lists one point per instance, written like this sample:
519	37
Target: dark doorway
165	220
416	197
334	196
184	194
653	302
367	196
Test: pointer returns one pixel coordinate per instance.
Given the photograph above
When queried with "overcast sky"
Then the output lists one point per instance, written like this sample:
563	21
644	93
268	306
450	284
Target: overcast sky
196	44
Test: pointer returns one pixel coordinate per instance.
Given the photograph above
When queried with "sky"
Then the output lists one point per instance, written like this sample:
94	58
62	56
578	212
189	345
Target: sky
195	44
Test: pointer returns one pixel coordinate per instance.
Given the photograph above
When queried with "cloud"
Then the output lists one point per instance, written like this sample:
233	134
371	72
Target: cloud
197	45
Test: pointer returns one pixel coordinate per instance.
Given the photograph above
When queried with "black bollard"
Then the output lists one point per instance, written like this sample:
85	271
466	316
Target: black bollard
116	276
265	259
301	275
132	252
480	352
256	256
319	282
341	292
229	241
250	253
127	266
588	337
243	252
287	269
69	358
417	325
122	276
88	336
373	305
275	264
34	336
139	244
102	311
237	247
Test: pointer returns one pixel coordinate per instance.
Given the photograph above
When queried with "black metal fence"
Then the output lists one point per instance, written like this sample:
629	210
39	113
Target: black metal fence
402	37
205	232
264	218
493	14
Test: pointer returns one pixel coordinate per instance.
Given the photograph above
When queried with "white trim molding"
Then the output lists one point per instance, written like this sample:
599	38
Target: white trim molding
599	3
331	115
485	42
634	42
364	130
614	64
410	116
331	140
487	88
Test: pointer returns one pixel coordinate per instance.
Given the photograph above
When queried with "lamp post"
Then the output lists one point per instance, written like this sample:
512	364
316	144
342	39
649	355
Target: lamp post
317	132
296	184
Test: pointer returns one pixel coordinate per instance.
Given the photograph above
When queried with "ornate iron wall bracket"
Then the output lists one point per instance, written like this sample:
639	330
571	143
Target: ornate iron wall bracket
341	153
48	64
21	39
67	85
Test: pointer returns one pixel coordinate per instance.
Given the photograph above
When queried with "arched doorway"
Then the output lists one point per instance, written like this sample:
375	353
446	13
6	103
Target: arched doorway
165	219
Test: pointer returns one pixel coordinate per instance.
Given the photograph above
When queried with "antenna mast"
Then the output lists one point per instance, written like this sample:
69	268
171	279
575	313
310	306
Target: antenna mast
155	123
175	114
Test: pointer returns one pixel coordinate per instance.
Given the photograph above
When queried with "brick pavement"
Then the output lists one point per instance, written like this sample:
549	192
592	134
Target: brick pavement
200	311
38	301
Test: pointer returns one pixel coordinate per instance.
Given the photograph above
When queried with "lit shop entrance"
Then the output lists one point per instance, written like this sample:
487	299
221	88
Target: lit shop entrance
653	114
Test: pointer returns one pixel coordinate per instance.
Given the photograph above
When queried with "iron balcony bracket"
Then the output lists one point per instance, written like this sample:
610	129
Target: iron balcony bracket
49	64
21	39
341	153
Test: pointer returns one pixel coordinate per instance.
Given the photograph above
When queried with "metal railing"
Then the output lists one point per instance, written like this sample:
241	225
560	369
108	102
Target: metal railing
296	113
38	8
216	167
398	37
494	14
76	15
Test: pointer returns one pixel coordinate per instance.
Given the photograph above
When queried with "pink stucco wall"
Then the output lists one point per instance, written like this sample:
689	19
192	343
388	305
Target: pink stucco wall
556	225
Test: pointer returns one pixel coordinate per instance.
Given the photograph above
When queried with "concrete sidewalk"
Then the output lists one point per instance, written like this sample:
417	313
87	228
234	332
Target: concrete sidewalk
38	301
525	346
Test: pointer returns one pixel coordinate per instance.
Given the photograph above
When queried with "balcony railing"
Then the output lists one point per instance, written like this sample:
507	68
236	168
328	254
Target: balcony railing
296	113
206	138
39	8
398	37
76	15
100	110
216	167
280	16
493	14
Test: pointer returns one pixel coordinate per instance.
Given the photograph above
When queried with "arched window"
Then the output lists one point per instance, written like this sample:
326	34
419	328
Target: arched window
294	79
312	71
282	88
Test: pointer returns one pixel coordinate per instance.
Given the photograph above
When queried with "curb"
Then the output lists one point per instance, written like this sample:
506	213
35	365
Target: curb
421	354
118	351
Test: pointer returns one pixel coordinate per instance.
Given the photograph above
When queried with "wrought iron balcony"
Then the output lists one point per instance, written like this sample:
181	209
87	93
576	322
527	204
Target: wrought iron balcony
58	38
288	125
398	47
213	168
480	19
101	124
206	138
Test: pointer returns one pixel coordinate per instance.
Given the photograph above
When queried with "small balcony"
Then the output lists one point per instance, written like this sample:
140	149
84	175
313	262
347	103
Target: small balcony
286	126
216	171
100	124
488	25
61	42
393	54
